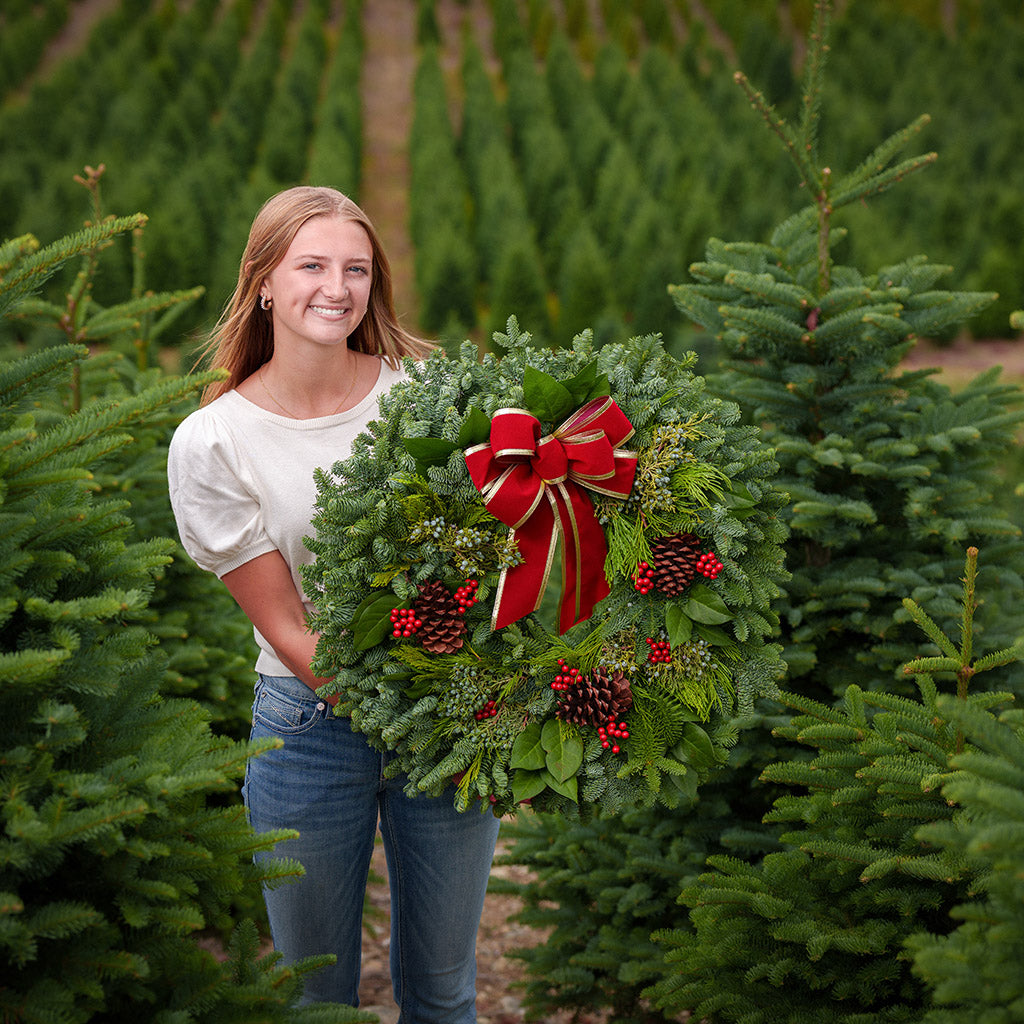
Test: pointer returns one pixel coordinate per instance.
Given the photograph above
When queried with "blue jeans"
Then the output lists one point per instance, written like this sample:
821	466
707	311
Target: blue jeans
327	782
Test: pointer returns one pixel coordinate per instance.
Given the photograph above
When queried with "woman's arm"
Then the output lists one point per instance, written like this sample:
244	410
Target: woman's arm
265	591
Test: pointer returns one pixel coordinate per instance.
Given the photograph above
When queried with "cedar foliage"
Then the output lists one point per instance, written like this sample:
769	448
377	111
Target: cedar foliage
891	475
118	846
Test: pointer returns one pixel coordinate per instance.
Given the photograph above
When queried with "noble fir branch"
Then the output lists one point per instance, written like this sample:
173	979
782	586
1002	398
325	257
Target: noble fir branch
14	249
956	661
29	272
810	176
43	369
874	175
972	970
814	75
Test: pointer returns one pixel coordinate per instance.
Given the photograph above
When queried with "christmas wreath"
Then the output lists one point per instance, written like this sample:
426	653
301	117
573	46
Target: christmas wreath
437	539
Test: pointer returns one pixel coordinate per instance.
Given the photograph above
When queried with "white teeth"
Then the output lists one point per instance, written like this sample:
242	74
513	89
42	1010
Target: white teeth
327	310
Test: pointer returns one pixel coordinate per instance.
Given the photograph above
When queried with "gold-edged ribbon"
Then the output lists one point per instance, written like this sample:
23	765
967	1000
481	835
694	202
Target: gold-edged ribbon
537	487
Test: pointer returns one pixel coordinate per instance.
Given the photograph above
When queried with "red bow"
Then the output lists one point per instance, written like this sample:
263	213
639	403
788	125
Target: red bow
534	484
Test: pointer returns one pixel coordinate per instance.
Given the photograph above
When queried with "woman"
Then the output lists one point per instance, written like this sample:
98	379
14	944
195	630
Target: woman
310	340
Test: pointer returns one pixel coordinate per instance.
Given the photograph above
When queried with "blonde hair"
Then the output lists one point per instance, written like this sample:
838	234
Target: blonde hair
243	338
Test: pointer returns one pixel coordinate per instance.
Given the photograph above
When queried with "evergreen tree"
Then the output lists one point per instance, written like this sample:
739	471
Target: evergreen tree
519	288
206	640
115	852
584	284
974	971
868	453
446	277
446	263
814	933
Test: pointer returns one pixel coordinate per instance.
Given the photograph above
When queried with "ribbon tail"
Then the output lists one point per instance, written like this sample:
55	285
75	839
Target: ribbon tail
521	587
583	555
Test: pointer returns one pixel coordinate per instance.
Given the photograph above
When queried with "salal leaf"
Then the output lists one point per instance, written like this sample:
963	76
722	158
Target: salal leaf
568	788
526	785
704	605
587	385
545	397
372	620
563	752
429	451
475	429
678	625
527	751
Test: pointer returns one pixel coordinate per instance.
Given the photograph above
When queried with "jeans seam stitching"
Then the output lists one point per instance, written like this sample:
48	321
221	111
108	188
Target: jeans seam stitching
396	905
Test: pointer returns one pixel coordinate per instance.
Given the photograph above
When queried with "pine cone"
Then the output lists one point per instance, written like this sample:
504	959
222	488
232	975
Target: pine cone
674	562
596	698
443	625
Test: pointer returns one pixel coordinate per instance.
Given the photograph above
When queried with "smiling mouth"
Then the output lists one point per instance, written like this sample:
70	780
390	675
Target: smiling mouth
329	310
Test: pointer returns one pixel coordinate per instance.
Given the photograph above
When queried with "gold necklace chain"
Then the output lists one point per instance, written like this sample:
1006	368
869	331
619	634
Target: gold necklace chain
288	412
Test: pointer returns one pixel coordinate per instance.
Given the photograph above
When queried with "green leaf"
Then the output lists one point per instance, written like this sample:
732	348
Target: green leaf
678	625
429	451
704	605
527	751
568	788
714	636
551	735
475	429
695	748
738	499
545	397
587	385
686	784
372	620
526	785
418	689
564	752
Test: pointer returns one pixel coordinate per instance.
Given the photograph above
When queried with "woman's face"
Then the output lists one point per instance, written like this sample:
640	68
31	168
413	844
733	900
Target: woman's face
321	288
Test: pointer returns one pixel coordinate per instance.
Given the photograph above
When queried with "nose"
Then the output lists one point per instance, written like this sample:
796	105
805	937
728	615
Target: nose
336	284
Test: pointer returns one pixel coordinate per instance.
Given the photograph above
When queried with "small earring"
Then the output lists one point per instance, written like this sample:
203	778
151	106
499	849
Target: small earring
265	303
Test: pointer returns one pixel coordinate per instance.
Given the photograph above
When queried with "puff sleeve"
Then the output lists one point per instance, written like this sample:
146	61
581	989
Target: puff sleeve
214	498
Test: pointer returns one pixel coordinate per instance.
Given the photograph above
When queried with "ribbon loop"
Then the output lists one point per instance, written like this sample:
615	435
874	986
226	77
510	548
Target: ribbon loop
537	487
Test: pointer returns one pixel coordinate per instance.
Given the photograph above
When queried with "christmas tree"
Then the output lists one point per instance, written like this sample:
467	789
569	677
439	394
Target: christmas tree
974	971
815	932
206	639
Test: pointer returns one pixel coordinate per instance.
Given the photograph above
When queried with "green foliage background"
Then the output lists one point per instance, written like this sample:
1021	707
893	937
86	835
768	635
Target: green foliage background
566	160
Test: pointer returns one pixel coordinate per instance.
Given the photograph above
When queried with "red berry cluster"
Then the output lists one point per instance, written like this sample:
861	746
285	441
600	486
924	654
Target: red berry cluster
405	622
489	710
466	595
644	578
611	732
708	565
661	652
566	678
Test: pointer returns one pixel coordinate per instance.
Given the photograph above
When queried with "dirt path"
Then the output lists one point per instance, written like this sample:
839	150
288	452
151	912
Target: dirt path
388	72
965	358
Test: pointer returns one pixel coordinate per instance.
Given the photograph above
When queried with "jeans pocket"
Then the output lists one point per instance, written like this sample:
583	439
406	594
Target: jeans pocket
284	714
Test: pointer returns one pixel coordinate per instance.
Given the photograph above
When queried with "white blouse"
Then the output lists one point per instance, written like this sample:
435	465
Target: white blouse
241	483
